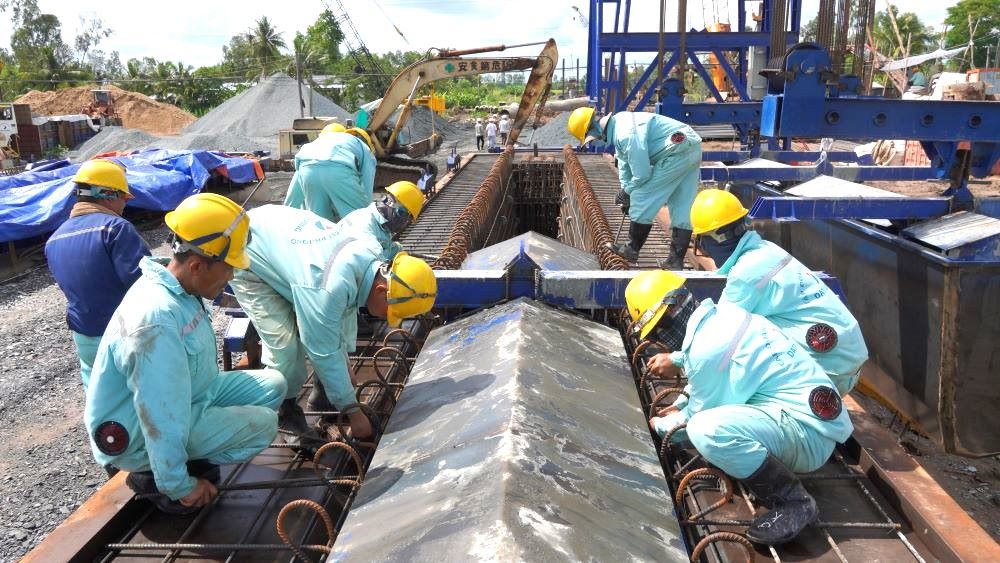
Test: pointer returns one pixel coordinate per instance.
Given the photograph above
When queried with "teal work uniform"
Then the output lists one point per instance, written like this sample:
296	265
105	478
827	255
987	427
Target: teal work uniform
765	280
751	389
659	163
369	221
334	175
156	398
306	282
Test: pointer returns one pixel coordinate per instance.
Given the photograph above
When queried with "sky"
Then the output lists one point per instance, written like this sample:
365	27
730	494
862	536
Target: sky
184	30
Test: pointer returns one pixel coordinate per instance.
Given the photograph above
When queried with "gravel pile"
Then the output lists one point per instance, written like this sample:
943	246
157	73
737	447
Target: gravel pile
552	134
114	139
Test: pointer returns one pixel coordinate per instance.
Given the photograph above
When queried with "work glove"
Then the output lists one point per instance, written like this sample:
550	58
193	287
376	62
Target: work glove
623	201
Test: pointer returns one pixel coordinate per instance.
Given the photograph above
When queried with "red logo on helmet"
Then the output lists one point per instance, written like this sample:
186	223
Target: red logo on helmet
821	337
825	402
111	438
677	138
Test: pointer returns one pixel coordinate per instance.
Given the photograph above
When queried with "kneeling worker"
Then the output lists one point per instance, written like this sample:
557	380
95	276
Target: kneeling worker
388	217
762	278
659	161
306	282
157	405
759	407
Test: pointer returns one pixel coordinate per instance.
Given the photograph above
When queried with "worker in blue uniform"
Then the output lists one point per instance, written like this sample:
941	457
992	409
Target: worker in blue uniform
157	405
307	280
763	279
388	217
659	161
758	407
335	174
94	255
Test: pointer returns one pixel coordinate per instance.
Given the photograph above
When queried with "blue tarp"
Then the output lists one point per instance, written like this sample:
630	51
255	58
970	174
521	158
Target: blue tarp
36	202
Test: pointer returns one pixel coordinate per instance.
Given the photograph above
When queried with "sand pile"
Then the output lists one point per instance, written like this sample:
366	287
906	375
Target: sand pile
137	111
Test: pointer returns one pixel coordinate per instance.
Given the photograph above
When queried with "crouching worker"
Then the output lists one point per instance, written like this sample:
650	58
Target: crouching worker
762	278
388	217
335	174
157	405
307	280
760	408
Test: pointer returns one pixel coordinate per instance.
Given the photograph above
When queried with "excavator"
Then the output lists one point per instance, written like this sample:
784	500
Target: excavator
448	63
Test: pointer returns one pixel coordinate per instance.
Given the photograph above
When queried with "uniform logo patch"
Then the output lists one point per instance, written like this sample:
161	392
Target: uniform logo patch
825	402
677	138
821	337
111	438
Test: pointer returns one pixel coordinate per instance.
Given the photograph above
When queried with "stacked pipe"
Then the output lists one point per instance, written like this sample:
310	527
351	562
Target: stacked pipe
597	232
475	223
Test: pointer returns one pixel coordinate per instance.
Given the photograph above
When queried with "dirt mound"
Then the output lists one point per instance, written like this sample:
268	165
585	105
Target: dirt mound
137	111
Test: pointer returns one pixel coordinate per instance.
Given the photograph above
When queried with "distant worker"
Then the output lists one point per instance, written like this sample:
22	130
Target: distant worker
504	128
335	174
491	134
307	279
758	407
916	82
94	255
388	217
659	161
479	134
762	278
157	405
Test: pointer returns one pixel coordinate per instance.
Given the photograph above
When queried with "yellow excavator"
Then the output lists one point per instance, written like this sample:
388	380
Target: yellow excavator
402	95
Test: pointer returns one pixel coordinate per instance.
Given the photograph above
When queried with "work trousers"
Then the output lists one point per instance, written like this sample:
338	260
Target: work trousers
86	350
674	183
331	190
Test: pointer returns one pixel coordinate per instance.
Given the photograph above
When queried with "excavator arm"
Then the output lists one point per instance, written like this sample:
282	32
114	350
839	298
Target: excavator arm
450	64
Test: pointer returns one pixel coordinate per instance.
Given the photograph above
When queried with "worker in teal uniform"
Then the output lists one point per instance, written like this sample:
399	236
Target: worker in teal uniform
335	174
306	282
758	407
94	255
388	217
763	279
659	161
157	405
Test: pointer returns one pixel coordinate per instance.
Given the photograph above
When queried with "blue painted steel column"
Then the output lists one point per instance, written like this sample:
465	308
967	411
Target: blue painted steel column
594	53
741	19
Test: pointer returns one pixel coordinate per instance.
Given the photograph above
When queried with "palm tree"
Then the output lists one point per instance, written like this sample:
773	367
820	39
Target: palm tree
265	42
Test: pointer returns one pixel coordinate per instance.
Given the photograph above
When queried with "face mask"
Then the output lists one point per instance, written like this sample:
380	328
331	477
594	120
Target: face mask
397	218
718	251
673	326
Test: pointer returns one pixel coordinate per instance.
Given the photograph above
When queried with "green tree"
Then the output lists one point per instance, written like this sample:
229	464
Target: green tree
37	42
92	32
912	31
265	44
985	17
324	38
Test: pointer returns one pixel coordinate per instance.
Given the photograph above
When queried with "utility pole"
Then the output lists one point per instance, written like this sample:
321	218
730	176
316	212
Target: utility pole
298	79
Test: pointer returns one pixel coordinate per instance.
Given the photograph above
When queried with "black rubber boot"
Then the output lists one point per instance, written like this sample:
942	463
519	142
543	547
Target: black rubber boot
296	432
204	469
317	400
637	235
680	239
143	483
792	507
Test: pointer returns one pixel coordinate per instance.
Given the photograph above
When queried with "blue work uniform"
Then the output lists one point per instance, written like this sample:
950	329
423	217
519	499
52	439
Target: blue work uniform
94	257
753	391
306	282
369	221
659	163
334	175
156	397
764	279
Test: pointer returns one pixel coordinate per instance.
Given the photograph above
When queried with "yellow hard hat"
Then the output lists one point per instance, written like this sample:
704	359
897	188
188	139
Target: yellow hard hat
412	288
103	173
579	122
363	135
649	295
333	128
213	226
713	209
409	195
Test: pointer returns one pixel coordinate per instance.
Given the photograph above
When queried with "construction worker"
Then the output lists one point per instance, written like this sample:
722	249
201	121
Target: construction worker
157	405
94	255
763	279
388	217
658	164
758	407
307	280
335	174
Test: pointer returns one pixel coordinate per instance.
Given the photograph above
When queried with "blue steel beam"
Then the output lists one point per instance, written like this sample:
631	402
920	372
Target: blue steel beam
777	156
803	173
696	41
812	208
